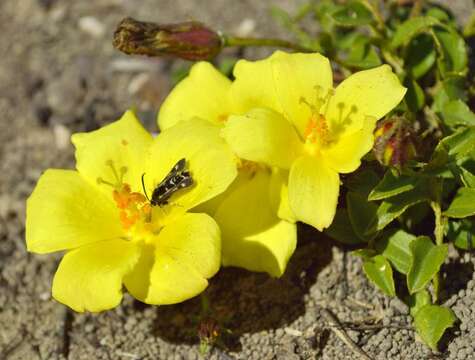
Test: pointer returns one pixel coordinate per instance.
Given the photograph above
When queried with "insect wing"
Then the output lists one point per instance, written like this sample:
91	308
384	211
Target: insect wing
177	169
177	179
166	189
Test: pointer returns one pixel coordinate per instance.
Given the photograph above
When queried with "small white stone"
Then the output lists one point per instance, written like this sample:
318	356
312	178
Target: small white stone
90	25
293	332
61	136
246	27
137	83
44	296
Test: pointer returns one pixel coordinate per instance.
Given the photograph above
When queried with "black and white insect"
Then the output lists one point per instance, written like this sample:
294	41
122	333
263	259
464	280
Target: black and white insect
178	178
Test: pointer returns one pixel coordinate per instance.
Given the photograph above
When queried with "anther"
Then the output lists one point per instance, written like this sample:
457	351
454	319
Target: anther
101	181
312	107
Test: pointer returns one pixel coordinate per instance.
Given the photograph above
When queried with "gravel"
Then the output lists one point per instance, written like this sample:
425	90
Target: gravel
57	74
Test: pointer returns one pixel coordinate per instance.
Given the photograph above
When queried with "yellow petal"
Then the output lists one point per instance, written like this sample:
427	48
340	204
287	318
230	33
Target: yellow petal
123	143
280	82
173	281
90	278
263	135
188	252
254	237
137	281
345	155
209	159
65	212
203	93
313	191
373	93
279	194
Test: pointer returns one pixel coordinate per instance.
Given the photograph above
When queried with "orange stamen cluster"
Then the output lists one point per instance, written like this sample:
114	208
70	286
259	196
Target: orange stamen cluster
133	206
317	129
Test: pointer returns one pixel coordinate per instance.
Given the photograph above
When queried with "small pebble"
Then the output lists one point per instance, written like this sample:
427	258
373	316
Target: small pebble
62	136
92	26
293	332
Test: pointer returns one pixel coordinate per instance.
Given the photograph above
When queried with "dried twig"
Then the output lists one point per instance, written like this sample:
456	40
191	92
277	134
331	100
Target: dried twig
336	327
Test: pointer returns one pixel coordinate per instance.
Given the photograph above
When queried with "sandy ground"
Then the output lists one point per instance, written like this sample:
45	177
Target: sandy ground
59	74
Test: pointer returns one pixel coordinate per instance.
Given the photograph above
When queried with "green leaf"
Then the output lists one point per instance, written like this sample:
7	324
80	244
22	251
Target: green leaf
469	29
365	254
354	13
452	148
431	321
323	12
362	181
467	177
438	13
453	50
362	55
418	300
394	206
456	112
452	88
361	213
282	17
415	215
463	204
410	28
341	229
427	259
379	271
462	233
420	55
392	185
415	97
460	143
290	24
395	246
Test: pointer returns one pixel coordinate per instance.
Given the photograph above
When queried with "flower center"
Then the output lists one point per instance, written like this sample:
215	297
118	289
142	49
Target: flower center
135	211
316	133
320	132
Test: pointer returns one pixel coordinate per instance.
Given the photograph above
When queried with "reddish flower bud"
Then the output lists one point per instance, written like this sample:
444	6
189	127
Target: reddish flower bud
393	144
189	40
208	333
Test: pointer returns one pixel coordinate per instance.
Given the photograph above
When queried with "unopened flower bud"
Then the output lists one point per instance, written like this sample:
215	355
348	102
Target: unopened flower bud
188	40
394	143
208	332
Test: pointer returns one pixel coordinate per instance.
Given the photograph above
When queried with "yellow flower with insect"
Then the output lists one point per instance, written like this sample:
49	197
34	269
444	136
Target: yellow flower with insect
258	229
112	234
289	116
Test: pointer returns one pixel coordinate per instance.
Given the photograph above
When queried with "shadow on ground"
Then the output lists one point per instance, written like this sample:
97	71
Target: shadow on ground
253	302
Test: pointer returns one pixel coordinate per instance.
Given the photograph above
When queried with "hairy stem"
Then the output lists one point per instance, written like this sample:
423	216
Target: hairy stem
436	188
380	26
416	8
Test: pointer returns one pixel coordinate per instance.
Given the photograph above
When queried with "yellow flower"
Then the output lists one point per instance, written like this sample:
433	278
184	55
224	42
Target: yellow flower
253	212
112	233
289	116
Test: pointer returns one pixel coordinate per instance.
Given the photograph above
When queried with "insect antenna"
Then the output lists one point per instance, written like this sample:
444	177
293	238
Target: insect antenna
143	187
